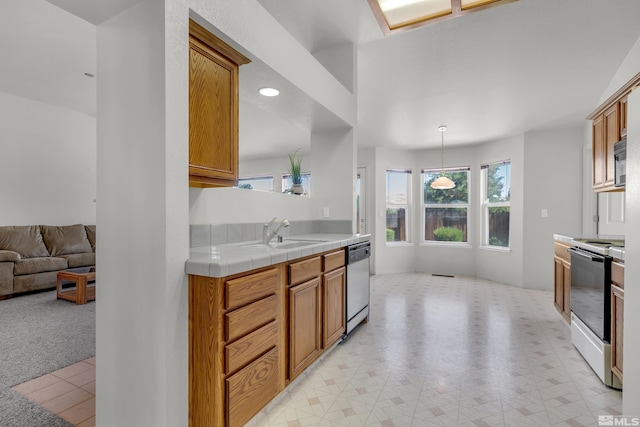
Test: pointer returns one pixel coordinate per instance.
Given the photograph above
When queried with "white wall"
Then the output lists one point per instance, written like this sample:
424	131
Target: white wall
143	217
631	394
333	174
48	164
552	181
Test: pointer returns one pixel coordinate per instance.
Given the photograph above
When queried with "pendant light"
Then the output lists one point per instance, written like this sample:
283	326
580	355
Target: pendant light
442	183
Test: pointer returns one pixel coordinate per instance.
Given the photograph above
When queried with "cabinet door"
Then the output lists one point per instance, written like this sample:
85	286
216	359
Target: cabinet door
305	328
617	328
612	135
334	306
213	116
558	284
566	278
598	153
623	116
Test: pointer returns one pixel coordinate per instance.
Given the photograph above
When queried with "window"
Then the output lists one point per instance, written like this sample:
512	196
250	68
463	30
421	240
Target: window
396	15
398	201
496	203
258	183
287	184
446	211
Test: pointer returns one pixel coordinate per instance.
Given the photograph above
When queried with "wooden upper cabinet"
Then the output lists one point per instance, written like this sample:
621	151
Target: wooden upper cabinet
623	117
612	135
213	109
599	161
609	123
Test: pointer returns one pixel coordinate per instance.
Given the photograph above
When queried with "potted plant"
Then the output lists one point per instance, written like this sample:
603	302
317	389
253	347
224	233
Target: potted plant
296	173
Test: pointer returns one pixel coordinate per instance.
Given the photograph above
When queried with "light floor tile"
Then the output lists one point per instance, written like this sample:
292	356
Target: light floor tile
455	351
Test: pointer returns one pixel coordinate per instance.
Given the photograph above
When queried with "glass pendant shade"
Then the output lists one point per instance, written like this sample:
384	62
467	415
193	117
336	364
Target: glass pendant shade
442	182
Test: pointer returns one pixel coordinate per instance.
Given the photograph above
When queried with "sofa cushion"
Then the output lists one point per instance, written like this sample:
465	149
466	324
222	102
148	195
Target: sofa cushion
38	265
80	260
9	256
64	240
34	282
91	235
23	239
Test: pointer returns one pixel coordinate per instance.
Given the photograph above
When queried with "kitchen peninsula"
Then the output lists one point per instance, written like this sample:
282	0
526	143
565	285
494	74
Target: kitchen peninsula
259	315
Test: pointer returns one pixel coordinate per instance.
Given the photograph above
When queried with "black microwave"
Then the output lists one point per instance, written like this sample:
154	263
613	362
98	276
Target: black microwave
620	157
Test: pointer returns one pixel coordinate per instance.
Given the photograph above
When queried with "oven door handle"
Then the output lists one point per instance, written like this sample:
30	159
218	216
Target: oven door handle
590	256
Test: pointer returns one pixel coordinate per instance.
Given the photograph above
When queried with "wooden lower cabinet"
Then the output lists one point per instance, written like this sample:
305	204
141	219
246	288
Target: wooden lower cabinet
333	306
562	280
237	351
252	333
617	318
305	327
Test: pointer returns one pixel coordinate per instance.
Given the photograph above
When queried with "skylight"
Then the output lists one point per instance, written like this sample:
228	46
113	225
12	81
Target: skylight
397	15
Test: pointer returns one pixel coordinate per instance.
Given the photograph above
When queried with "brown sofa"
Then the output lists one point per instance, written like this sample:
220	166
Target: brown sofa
32	255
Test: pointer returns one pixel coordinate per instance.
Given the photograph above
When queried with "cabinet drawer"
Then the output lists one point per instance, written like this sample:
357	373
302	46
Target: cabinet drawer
244	290
248	318
617	274
333	260
304	270
560	249
252	388
244	350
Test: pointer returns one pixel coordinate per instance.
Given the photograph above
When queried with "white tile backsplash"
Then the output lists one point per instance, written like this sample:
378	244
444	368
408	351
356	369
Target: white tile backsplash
220	234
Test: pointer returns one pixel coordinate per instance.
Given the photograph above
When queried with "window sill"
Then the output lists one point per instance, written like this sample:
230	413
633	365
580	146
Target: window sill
495	249
398	244
461	245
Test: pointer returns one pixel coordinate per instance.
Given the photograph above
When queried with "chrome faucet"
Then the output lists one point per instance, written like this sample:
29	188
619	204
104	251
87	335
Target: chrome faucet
266	235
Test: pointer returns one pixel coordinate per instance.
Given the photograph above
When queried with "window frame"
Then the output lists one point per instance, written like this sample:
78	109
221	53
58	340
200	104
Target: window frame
256	178
485	205
407	206
425	206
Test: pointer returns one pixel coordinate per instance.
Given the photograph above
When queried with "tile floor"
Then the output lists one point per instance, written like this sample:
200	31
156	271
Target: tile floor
437	352
68	392
449	352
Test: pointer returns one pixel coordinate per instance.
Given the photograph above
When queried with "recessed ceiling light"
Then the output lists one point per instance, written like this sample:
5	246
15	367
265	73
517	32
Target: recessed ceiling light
269	91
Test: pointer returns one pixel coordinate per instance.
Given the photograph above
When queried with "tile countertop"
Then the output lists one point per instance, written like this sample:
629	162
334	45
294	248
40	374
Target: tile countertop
233	258
613	251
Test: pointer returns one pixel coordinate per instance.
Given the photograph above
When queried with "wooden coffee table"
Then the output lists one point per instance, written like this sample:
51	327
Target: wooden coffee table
77	285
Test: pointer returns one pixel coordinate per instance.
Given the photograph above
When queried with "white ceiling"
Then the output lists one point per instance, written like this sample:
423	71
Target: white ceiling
528	65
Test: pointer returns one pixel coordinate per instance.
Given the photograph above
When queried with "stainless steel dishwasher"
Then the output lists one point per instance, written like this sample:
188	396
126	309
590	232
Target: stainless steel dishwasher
357	284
